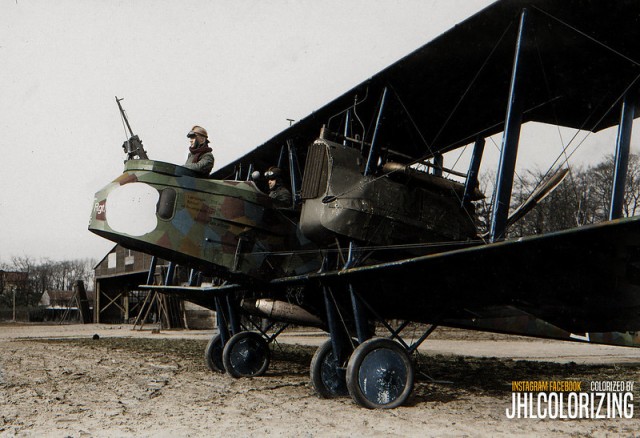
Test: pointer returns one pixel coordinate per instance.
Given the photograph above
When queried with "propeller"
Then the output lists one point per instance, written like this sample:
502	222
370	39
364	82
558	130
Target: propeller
536	197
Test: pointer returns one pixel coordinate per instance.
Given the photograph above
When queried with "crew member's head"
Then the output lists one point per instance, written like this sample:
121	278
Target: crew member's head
274	177
197	136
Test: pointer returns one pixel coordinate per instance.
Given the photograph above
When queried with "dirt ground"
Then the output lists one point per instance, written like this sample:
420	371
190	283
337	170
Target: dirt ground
58	381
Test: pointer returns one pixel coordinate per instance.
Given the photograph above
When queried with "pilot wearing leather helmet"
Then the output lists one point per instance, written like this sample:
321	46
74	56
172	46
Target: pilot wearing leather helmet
277	191
200	158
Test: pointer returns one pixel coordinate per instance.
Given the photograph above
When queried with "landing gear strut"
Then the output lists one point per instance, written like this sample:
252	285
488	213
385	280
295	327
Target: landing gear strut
328	375
236	350
379	372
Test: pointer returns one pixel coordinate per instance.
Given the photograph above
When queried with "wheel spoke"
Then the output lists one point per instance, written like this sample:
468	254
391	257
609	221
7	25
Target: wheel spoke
246	355
380	374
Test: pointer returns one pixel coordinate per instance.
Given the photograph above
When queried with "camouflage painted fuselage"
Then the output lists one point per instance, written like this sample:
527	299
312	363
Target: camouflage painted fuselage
224	228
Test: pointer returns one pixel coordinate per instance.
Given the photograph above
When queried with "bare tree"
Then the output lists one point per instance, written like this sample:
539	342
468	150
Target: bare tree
484	207
595	187
584	197
45	275
33	291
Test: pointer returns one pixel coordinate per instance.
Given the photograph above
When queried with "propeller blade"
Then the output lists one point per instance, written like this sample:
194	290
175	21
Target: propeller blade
537	196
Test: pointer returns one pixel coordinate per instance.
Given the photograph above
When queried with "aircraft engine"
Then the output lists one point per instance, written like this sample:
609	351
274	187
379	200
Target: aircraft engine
339	200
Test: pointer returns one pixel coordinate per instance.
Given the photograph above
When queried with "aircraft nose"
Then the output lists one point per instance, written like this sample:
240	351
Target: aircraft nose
131	209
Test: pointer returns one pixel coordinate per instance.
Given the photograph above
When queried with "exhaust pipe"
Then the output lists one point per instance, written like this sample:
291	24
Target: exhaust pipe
281	310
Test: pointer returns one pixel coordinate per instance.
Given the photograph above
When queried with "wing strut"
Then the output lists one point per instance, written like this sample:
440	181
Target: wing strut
510	138
293	174
622	156
474	167
373	152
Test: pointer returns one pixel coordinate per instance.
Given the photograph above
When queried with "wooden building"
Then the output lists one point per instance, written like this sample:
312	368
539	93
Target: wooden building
14	279
118	298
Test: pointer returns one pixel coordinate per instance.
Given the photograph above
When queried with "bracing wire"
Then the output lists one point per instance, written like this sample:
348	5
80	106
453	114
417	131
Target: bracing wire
567	157
486	61
600	43
555	115
564	153
590	131
452	112
584	124
464	243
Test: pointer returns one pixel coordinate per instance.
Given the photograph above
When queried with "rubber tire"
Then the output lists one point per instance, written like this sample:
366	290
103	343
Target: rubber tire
255	347
321	369
213	355
367	362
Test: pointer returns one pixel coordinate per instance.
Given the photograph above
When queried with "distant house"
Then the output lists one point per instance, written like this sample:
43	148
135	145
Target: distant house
63	304
56	299
62	299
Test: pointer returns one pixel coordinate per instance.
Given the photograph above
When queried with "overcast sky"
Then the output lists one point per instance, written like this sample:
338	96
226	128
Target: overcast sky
238	68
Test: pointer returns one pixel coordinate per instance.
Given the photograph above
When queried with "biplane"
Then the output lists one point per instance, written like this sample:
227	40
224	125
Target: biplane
380	230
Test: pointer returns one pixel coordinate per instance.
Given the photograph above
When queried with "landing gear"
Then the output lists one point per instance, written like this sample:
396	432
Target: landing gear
246	354
380	371
380	374
213	354
327	374
236	350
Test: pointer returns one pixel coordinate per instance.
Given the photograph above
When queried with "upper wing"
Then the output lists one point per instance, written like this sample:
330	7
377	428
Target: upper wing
580	56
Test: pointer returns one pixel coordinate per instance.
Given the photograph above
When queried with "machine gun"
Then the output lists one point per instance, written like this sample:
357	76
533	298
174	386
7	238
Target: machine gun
132	147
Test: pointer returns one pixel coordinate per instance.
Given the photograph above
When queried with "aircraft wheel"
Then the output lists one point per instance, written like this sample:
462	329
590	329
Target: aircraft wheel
213	355
380	374
327	378
246	355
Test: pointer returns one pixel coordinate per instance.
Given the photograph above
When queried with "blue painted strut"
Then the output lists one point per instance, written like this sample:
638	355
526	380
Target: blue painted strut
373	150
152	270
474	168
510	138
622	157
